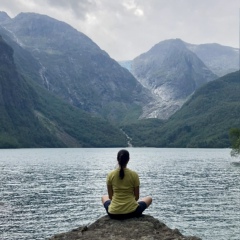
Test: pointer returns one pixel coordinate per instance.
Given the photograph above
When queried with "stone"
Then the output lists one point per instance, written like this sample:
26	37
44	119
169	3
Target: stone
142	228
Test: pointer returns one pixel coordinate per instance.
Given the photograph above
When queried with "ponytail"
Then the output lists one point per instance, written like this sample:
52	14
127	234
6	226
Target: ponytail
121	173
123	158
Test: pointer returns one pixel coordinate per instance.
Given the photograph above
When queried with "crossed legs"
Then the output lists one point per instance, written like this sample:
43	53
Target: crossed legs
147	200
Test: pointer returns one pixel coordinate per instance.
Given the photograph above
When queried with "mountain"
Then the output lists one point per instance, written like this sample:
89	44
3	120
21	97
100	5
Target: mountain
30	116
203	121
54	80
126	64
172	73
69	64
3	17
221	60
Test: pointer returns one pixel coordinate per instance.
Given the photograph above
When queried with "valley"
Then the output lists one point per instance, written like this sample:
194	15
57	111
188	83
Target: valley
76	95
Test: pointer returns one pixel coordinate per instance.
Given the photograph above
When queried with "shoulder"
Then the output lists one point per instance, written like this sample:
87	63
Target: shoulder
133	173
113	172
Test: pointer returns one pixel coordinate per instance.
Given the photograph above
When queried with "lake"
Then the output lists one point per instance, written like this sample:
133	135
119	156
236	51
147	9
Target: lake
48	191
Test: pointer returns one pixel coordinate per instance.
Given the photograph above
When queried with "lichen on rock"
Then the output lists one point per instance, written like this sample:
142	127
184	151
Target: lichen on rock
142	228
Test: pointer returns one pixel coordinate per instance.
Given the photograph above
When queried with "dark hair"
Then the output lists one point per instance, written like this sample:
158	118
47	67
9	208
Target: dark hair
123	158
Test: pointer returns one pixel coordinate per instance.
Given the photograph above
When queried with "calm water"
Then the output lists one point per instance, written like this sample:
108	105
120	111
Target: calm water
47	191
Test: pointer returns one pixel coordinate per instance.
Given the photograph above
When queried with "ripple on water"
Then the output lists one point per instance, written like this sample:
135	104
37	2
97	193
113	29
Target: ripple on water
46	191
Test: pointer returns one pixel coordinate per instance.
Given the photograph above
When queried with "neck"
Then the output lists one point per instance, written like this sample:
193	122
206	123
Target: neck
123	166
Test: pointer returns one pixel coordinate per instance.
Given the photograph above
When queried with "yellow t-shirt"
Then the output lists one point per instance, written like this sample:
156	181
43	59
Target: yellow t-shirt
123	200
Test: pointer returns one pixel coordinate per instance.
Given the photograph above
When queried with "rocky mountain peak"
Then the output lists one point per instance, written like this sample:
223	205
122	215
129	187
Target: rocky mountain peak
72	66
4	16
43	32
172	73
159	52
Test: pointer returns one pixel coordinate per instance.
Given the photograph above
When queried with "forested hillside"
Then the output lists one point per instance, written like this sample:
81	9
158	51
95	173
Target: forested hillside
69	64
59	89
32	117
203	121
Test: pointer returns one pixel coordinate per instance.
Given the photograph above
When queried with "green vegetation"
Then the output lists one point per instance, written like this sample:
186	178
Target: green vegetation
143	132
75	125
50	122
72	66
234	134
33	117
204	121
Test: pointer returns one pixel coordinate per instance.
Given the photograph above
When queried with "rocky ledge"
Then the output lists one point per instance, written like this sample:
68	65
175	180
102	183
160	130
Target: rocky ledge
142	228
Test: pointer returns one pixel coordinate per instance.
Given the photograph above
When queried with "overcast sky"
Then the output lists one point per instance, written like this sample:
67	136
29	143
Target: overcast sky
127	28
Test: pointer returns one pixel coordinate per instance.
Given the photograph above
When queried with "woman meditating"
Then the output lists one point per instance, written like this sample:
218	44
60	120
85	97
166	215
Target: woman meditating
123	191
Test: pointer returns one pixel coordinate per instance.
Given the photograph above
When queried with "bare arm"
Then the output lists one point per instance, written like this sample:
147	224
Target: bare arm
110	191
136	193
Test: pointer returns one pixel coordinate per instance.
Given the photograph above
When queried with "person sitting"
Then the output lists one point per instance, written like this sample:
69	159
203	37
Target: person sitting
123	191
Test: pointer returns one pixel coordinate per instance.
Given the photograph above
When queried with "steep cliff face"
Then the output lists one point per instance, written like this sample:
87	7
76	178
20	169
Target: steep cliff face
173	68
145	228
172	65
203	121
13	89
16	106
3	17
69	64
32	117
172	73
72	66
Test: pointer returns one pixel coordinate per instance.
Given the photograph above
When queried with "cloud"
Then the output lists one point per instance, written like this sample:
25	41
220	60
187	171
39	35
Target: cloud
131	5
127	28
79	8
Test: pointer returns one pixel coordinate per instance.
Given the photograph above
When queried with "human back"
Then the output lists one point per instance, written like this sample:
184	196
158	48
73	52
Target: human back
123	191
123	200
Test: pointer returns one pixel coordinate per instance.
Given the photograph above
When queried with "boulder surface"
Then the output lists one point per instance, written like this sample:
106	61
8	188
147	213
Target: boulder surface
142	228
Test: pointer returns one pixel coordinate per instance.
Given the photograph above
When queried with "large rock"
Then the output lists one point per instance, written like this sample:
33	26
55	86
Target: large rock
143	228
